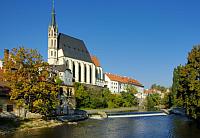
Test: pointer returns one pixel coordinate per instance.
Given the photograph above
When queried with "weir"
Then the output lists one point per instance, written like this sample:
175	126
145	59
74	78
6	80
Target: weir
145	114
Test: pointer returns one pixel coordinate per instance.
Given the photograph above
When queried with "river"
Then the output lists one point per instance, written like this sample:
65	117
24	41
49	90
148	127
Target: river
137	127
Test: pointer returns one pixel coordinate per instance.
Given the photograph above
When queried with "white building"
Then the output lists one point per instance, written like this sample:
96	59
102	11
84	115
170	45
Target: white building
117	84
72	52
64	74
1	64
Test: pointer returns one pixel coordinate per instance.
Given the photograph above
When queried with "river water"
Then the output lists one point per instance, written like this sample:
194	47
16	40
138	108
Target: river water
171	126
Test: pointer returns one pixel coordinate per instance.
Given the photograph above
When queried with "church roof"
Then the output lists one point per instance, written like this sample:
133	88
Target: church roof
95	60
122	79
73	48
60	68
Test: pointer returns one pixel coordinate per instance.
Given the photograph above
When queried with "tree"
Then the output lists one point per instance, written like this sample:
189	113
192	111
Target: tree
89	97
131	89
159	87
153	100
186	83
29	79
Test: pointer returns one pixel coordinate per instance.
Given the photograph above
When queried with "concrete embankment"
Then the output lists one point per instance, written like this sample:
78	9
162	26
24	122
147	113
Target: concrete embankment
102	113
125	109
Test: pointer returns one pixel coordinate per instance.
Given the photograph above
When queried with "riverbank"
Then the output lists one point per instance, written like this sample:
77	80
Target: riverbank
11	125
8	126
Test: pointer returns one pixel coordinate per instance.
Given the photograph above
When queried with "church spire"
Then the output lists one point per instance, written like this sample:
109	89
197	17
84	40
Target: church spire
53	15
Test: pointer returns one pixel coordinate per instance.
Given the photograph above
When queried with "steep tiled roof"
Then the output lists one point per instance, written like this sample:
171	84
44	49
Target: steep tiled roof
73	48
95	60
122	79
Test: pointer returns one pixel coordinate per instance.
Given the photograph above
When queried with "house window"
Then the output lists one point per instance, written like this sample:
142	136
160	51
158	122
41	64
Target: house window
9	108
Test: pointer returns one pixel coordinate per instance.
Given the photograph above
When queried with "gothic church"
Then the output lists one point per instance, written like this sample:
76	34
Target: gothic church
72	53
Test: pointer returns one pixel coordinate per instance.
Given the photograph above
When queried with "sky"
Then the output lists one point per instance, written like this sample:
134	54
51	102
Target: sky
142	39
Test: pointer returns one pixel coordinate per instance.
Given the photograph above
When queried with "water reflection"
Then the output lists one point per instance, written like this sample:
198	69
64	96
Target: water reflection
140	127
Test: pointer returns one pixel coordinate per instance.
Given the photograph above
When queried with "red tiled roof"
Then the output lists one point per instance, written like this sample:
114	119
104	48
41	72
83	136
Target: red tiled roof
95	60
121	79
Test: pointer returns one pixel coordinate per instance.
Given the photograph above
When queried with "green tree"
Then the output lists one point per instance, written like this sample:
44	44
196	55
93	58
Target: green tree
186	84
82	96
152	101
131	89
29	79
159	87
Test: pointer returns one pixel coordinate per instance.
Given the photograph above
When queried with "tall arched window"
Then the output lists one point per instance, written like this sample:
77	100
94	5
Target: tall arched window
79	72
85	69
52	33
96	74
73	70
67	63
99	74
54	43
90	74
55	53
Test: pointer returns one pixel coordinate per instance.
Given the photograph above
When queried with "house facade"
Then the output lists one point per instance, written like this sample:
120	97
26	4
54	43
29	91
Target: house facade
117	84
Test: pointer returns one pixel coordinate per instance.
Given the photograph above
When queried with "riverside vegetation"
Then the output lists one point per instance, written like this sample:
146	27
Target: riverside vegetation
186	84
91	98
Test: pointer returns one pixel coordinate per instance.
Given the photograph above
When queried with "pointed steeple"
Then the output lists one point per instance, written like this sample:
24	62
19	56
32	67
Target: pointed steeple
53	15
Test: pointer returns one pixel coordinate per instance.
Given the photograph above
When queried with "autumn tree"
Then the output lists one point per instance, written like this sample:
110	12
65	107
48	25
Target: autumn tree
28	76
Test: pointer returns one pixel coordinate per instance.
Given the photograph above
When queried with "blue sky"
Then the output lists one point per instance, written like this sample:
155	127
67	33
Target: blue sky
142	39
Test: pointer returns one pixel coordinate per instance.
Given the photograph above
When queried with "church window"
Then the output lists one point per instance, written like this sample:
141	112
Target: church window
90	75
51	53
55	43
52	33
52	43
55	53
67	63
85	69
79	73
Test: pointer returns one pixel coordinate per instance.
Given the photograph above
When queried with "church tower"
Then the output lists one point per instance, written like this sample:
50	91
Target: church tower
53	38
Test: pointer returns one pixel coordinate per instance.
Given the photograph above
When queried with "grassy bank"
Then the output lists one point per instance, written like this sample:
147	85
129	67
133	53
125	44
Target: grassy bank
13	125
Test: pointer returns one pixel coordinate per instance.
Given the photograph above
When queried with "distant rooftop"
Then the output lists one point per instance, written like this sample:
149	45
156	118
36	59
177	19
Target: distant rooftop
124	79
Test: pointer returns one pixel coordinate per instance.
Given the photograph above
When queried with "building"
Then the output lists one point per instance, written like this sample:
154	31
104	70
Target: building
64	74
1	64
72	52
117	84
